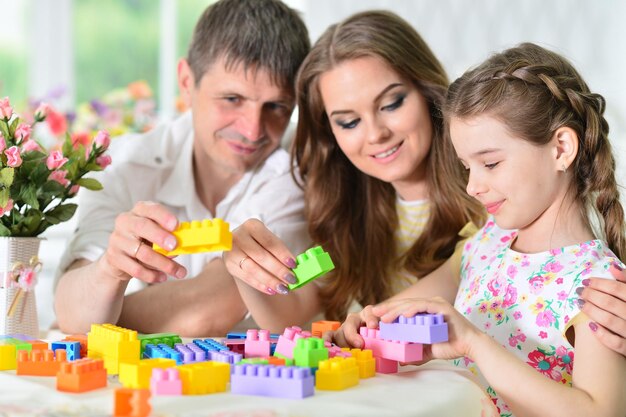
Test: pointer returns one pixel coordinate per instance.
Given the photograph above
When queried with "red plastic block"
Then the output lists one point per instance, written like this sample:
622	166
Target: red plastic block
397	351
319	327
40	362
131	402
82	375
257	343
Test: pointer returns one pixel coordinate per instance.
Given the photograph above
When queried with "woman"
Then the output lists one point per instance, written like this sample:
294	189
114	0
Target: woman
385	195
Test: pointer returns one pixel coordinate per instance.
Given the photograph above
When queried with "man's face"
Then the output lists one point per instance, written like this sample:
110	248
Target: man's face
239	116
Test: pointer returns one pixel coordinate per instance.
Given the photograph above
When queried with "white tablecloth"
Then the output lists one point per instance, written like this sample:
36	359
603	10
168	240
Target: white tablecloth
435	389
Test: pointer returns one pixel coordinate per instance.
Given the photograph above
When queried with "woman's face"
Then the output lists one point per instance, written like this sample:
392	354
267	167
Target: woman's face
381	122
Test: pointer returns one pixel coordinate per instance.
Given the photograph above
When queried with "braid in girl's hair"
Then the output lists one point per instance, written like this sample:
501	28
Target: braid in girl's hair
534	92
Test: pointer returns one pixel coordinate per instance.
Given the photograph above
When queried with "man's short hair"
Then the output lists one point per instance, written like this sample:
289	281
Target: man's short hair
260	34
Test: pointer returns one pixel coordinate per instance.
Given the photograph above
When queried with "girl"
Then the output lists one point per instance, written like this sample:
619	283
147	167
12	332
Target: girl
535	143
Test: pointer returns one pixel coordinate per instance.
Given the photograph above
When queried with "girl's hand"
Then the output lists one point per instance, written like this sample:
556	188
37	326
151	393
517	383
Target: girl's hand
461	332
605	304
348	334
260	259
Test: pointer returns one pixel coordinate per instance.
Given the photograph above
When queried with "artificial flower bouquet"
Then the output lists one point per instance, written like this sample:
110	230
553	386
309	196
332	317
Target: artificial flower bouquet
35	183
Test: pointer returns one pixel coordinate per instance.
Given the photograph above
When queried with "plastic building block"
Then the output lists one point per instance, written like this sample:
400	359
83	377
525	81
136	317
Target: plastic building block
204	377
386	366
80	338
162	351
35	344
226	357
319	327
114	345
40	362
194	237
169	339
82	375
17	336
137	375
191	353
272	381
166	382
132	403
287	341
421	328
39	345
334	350
397	351
209	345
8	357
72	349
365	361
311	264
309	352
257	343
337	374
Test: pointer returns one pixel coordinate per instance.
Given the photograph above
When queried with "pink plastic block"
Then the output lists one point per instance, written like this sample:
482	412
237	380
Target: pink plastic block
336	351
257	343
272	381
397	351
166	382
421	328
287	341
386	366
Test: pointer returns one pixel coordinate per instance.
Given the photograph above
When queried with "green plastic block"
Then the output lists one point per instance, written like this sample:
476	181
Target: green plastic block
311	264
19	344
309	352
255	361
169	339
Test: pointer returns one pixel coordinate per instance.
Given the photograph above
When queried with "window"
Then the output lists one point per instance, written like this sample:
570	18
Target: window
14	51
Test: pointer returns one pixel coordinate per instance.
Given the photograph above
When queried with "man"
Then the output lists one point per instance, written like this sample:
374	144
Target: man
220	160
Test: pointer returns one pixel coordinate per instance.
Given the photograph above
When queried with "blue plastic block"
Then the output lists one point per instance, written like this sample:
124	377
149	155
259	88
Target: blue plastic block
72	349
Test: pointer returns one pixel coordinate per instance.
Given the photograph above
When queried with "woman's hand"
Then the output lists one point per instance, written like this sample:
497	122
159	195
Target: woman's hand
605	304
260	259
130	254
347	335
461	332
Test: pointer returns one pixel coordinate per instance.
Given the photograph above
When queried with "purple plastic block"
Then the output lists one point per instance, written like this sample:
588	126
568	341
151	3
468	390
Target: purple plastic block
226	356
18	336
191	353
397	351
272	381
421	328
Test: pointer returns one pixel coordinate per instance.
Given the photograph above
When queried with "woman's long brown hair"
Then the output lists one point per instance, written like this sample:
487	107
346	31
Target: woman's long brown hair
352	215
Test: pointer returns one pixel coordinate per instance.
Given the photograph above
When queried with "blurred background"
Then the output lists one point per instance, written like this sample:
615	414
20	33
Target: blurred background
112	64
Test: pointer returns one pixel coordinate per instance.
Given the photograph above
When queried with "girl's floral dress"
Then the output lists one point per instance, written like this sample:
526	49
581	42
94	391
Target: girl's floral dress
527	301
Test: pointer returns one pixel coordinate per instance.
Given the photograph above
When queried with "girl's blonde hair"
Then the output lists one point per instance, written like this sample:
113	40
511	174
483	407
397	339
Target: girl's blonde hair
534	92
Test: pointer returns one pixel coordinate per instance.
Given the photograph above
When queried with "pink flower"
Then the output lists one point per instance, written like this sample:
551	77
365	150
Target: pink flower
23	132
3	143
6	111
59	176
42	111
26	279
559	280
545	318
80	138
30	146
56	122
55	160
536	284
543	334
517	315
102	140
6	209
14	159
74	189
511	271
545	364
553	267
510	297
104	161
562	295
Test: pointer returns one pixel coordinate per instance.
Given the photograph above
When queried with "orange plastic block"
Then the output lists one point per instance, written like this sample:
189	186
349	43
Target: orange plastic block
137	375
39	345
194	237
113	344
319	327
364	360
82	375
80	338
204	377
132	403
40	362
337	374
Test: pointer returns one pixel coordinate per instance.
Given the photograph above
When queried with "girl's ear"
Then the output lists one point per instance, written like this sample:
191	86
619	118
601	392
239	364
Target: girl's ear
186	81
566	147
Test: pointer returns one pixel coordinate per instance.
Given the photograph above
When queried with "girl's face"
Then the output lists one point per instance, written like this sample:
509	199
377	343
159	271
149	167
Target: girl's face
381	122
519	183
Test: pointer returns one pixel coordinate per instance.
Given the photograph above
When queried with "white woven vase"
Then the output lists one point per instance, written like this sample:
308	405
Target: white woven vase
24	318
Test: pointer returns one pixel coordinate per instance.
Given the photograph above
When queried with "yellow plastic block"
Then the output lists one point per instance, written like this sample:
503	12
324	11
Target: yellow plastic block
205	236
336	374
114	345
204	377
364	360
137	375
8	357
